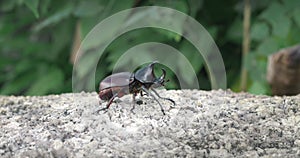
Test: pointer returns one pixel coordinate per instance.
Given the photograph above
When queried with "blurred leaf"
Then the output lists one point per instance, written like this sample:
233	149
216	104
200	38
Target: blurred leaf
179	5
275	15
88	8
154	16
44	6
281	26
194	6
56	17
61	39
100	73
4	61
19	83
291	4
192	54
296	16
213	31
235	32
170	35
256	66
294	36
258	88
236	86
7	5
273	11
172	84
259	31
6	26
131	39
33	6
267	47
86	64
22	66
186	74
47	83
107	32
109	8
250	61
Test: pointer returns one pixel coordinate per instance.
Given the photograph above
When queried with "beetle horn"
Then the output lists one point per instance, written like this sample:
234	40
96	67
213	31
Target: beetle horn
163	75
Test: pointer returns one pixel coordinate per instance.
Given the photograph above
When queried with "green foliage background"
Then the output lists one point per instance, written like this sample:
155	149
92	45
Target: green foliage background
37	36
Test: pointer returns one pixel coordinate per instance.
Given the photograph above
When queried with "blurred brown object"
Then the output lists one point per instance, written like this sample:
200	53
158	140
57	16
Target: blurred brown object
283	73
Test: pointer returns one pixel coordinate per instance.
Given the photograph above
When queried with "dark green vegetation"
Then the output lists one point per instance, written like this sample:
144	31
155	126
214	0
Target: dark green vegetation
38	39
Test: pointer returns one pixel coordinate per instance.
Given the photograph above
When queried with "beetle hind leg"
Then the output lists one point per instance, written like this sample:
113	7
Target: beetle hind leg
109	103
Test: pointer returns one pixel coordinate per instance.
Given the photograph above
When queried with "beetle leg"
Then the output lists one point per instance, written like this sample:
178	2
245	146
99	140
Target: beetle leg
163	97
109	102
150	94
141	93
133	102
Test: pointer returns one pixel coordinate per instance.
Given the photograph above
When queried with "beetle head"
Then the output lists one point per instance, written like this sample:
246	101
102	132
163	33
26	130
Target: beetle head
160	81
146	74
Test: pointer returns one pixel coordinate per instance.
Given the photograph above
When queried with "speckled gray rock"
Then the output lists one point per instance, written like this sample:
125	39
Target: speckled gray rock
202	124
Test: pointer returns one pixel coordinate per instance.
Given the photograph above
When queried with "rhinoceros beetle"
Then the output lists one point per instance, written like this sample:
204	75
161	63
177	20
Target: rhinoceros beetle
143	80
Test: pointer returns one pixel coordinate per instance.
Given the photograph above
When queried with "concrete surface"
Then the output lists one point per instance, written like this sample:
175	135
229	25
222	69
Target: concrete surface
202	124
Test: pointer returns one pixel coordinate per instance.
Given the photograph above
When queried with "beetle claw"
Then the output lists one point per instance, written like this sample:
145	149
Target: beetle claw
163	111
103	109
174	104
132	110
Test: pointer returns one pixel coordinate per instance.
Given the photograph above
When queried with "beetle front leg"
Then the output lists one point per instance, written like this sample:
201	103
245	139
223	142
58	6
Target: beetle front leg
150	94
163	97
141	93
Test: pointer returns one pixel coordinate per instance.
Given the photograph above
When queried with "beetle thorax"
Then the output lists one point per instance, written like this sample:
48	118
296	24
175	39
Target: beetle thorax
135	87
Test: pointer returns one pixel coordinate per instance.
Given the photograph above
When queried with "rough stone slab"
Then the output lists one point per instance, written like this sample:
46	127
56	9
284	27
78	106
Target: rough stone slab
203	124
